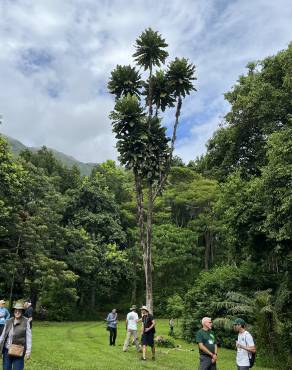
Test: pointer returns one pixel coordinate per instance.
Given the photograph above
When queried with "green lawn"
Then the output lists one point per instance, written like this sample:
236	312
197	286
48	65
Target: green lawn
84	346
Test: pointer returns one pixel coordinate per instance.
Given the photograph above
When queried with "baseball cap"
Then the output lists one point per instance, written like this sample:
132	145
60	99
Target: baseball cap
239	321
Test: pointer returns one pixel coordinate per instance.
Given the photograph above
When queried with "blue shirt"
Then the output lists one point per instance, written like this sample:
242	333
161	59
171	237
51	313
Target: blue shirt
112	320
4	315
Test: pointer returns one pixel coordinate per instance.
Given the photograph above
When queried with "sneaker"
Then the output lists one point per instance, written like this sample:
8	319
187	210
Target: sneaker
153	358
143	359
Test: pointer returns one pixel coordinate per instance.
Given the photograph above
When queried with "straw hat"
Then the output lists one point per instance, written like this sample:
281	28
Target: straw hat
18	306
145	308
134	307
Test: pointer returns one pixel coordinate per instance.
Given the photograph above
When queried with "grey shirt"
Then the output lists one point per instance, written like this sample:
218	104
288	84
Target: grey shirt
112	320
9	338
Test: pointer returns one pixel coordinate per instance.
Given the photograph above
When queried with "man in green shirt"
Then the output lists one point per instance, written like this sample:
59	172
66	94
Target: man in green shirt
207	345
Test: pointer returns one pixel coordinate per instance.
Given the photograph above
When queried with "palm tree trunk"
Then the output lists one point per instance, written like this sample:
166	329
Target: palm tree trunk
140	210
145	244
150	92
164	176
148	255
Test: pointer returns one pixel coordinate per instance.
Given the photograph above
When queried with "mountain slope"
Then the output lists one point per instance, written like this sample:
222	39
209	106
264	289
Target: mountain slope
67	160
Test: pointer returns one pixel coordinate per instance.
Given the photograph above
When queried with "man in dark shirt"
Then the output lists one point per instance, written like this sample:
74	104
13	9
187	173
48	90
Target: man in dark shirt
207	345
28	312
148	331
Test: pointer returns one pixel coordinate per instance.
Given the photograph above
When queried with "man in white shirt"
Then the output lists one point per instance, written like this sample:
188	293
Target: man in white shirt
131	327
245	345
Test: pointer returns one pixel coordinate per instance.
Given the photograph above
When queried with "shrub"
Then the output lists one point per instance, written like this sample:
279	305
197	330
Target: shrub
164	342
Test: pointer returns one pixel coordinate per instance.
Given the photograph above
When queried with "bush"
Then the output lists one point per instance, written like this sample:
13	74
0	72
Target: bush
208	292
164	342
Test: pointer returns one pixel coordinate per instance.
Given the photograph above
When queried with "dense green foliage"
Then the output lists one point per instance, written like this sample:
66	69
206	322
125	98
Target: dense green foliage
222	228
59	234
251	157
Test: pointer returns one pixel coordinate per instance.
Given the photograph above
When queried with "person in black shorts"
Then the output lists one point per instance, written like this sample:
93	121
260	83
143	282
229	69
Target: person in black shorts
148	331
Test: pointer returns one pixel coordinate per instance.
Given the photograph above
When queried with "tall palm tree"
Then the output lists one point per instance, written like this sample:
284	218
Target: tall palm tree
149	53
125	80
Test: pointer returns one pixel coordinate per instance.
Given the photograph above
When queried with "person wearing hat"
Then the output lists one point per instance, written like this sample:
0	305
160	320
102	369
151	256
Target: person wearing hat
15	341
245	345
148	331
131	328
207	344
4	315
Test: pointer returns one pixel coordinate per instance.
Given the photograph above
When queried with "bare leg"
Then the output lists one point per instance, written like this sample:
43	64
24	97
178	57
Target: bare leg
144	352
153	352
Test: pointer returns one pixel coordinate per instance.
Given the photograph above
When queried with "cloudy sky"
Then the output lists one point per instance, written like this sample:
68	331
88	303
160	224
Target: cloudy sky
56	57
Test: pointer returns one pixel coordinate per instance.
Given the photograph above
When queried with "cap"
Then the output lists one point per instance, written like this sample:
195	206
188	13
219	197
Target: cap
239	321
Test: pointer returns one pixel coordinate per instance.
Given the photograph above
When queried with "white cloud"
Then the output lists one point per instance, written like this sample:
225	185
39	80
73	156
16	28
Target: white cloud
60	100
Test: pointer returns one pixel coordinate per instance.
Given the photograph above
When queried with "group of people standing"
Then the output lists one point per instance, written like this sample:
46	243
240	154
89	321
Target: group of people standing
205	338
208	348
15	334
16	337
132	320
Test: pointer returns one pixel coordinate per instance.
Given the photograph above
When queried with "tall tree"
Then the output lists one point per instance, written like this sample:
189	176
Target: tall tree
142	141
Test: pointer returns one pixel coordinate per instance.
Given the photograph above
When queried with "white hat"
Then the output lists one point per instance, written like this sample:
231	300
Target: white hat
145	308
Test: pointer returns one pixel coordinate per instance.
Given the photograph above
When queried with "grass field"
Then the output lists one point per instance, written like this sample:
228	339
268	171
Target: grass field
84	346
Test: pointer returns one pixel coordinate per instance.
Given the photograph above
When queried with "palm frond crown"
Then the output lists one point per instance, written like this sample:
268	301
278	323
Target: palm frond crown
150	49
124	80
181	75
161	91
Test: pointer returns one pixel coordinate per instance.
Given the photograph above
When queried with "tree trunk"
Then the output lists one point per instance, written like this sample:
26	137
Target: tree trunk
81	299
164	176
33	297
207	249
148	256
212	247
134	290
145	236
92	298
140	210
150	92
13	275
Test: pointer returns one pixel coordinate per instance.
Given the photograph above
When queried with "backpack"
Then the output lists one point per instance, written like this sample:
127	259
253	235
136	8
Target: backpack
251	356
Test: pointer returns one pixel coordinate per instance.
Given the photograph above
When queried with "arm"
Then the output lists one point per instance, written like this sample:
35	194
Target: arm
126	324
2	335
247	348
28	341
205	349
150	327
215	355
249	344
113	319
